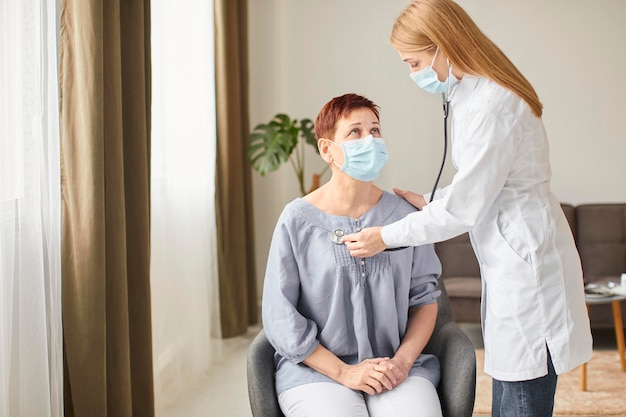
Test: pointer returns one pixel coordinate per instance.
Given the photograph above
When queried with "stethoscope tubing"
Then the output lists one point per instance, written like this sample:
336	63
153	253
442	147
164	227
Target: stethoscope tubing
446	103
337	234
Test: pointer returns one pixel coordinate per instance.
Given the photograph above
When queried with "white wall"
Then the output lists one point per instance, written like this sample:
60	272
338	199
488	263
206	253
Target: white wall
303	53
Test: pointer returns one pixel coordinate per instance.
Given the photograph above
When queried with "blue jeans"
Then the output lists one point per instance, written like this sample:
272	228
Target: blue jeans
533	398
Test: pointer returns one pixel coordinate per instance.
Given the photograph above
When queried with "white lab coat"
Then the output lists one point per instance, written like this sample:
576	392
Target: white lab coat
532	285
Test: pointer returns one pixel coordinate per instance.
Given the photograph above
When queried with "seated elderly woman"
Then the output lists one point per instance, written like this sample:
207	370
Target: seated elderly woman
349	332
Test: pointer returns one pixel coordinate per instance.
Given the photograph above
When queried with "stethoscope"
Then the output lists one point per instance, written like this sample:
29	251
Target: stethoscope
445	98
337	234
446	103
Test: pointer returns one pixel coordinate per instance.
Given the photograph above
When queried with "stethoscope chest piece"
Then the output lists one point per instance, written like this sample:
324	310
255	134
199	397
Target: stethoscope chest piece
336	236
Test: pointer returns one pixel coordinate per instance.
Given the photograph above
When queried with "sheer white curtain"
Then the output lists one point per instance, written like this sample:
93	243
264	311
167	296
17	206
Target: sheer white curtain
31	357
185	313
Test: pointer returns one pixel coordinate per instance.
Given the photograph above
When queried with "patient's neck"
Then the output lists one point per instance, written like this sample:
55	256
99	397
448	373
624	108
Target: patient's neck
342	196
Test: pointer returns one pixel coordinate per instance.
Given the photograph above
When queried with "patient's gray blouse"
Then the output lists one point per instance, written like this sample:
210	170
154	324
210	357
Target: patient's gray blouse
315	292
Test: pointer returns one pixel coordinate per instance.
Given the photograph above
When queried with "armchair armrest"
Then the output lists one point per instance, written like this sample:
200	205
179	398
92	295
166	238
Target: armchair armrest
457	356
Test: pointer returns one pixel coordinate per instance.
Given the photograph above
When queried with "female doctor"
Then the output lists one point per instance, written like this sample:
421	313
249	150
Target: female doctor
535	323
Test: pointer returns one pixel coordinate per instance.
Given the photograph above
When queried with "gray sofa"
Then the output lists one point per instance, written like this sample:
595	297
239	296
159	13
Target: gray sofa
600	234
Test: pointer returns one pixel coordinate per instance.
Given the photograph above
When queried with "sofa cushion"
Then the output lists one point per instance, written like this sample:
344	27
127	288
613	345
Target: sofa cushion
601	243
601	240
457	257
570	214
460	274
463	287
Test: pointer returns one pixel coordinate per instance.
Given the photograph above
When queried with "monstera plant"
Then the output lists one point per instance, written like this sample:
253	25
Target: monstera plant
280	140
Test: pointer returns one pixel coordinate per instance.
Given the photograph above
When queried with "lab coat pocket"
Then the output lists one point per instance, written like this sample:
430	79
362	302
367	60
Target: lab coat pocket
513	232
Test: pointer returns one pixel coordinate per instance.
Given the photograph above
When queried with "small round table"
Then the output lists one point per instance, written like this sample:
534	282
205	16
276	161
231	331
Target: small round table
619	330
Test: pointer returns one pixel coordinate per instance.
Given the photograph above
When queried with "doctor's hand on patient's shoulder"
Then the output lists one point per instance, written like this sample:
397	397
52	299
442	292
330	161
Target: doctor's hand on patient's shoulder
368	242
417	200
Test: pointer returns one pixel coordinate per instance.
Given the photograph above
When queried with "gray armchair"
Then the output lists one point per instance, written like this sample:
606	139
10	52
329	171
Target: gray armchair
450	344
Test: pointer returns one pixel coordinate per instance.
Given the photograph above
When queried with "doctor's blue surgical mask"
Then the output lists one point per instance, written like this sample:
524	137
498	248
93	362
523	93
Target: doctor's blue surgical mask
364	158
427	79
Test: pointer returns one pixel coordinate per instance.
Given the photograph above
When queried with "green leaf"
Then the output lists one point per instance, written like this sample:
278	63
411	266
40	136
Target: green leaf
308	132
271	144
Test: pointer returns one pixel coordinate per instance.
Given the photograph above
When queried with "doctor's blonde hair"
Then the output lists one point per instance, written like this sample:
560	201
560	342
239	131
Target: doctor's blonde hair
426	24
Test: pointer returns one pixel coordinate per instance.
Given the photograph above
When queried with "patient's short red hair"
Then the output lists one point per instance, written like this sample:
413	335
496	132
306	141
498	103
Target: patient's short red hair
338	108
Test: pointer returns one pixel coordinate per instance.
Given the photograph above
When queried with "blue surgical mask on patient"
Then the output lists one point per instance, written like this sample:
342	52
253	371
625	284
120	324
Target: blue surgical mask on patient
428	80
364	158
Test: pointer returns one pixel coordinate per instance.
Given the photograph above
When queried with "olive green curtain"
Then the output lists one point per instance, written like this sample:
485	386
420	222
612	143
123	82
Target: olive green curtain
238	298
104	74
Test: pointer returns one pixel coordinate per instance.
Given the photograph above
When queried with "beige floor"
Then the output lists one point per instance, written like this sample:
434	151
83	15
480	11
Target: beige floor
224	393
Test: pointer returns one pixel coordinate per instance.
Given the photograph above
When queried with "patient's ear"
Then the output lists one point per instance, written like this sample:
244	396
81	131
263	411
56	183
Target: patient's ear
323	145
